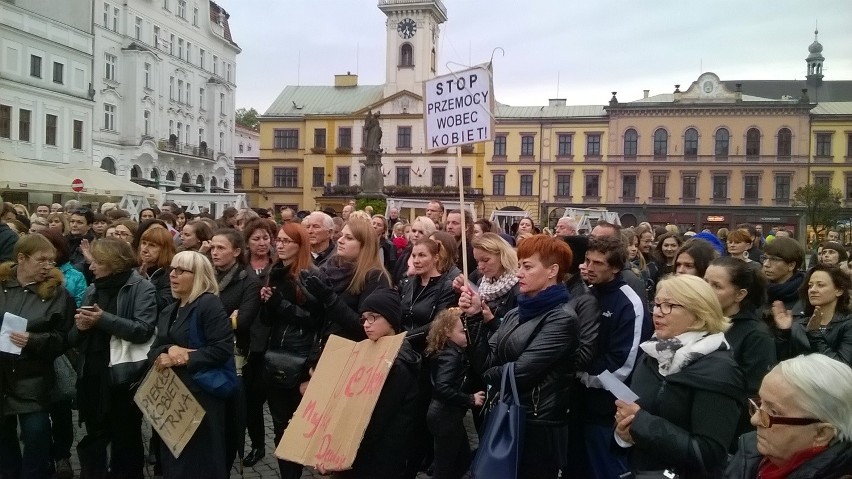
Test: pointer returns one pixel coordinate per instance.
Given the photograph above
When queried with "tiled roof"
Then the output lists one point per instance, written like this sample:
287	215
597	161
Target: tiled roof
568	111
834	90
298	101
833	108
214	17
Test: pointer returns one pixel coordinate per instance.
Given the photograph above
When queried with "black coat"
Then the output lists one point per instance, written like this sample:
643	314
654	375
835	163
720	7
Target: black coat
688	417
833	463
241	293
388	253
588	320
834	340
448	370
259	332
343	311
8	240
421	304
160	279
400	269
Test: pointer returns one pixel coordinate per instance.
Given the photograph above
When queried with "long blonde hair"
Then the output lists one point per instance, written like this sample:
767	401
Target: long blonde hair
441	328
368	257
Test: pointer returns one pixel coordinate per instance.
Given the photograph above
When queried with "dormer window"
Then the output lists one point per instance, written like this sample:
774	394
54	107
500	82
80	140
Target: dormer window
406	56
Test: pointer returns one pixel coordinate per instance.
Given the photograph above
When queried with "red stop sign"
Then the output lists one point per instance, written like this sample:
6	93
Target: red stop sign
77	185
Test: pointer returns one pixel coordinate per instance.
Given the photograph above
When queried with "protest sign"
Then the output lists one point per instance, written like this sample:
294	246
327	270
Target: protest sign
169	408
327	428
459	108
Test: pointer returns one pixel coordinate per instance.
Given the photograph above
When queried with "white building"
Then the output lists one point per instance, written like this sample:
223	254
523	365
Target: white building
246	143
45	103
165	82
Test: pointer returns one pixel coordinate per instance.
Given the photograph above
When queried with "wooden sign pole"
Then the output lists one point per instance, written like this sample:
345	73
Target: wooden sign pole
462	209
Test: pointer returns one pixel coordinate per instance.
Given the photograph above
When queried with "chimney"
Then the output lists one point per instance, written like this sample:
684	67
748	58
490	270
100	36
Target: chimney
645	93
556	102
738	93
346	80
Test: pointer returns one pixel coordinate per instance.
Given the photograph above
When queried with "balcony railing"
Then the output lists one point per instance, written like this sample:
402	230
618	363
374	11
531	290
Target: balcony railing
184	149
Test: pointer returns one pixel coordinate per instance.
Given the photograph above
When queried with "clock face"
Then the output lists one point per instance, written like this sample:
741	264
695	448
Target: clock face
406	28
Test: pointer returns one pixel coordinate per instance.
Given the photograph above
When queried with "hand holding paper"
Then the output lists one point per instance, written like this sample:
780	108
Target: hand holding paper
616	387
13	335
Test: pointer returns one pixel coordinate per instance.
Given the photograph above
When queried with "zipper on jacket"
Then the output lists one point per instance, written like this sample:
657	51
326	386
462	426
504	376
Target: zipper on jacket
536	395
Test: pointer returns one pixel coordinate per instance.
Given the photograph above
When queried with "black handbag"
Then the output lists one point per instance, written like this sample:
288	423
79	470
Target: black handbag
499	453
283	368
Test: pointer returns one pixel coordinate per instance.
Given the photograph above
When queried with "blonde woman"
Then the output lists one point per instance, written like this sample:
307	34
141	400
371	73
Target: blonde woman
421	227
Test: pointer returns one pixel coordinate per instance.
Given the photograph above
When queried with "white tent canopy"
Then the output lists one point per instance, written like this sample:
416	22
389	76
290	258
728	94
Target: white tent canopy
413	204
26	176
505	219
216	202
587	218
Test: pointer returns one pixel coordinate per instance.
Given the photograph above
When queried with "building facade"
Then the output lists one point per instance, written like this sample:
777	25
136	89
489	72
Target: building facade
246	154
164	87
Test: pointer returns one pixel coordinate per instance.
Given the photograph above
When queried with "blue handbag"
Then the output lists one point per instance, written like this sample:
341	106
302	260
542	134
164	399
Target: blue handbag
499	453
221	382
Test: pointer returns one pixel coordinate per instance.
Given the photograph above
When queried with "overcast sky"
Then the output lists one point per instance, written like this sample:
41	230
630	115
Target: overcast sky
592	48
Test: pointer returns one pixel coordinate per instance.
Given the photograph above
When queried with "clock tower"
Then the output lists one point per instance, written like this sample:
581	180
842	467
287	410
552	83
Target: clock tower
413	29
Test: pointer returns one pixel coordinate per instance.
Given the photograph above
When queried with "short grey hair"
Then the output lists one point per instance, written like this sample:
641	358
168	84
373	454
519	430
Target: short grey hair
323	218
568	220
824	389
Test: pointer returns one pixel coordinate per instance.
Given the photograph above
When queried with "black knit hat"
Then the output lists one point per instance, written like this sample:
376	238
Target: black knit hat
841	251
578	245
385	301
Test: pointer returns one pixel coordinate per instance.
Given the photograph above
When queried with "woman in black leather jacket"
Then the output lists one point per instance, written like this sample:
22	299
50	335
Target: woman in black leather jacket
156	250
539	336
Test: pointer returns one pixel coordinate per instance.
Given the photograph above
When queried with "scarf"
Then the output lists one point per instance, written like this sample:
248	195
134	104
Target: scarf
107	288
544	301
339	273
490	289
788	291
767	470
676	353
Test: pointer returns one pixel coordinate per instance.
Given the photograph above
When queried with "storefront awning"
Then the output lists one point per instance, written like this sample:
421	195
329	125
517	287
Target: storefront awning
100	182
24	176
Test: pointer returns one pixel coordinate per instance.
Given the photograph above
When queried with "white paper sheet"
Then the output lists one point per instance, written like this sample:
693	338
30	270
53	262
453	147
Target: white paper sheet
11	324
616	387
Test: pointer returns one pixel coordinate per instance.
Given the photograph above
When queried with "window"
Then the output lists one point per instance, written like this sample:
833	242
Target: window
215	65
171	44
439	174
751	187
5	121
285	177
201	137
146	120
785	143
166	5
318	177
147	75
753	144
115	19
179	131
181	10
467	175
563	184
319	138
849	187
50	122
822	180
823	144
403	137
189	52
24	125
631	144
201	56
628	186
343	176
723	143
109	116
593	144
77	140
500	145
228	74
241	147
137	28
180	48
58	73
344	137
35	66
109	66
221	141
171	88
690	144
592	186
526	185
690	187
186	138
180	91
848	145
720	187
406	56
403	176
286	139
107	9
195	16
527	145
256	176
201	98
156	41
498	184
658	186
661	143
222	103
565	145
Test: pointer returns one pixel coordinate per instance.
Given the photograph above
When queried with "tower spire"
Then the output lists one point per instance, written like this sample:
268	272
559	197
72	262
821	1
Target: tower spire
815	59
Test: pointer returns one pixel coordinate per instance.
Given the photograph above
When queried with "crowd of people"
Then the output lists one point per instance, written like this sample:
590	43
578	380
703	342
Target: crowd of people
737	344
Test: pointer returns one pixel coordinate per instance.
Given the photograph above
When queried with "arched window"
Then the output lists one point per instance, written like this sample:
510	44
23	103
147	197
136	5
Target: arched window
170	176
753	144
155	175
690	144
661	143
213	183
434	60
723	143
108	164
631	143
199	181
226	186
406	56
135	172
185	179
785	143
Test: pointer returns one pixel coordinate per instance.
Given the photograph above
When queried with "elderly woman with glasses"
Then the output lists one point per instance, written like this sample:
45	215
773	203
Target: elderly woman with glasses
804	423
689	386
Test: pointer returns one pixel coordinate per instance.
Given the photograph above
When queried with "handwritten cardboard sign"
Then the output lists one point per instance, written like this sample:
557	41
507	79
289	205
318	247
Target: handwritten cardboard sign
169	408
329	423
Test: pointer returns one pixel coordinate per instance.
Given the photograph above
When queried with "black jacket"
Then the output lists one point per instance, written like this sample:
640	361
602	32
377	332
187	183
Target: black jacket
833	463
400	269
421	304
160	279
449	368
8	240
388	253
321	258
540	348
588	320
259	332
834	340
76	257
686	418
499	307
240	292
343	311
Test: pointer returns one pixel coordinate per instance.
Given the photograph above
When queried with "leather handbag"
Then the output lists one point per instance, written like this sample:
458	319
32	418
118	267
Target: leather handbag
499	453
284	368
221	382
127	360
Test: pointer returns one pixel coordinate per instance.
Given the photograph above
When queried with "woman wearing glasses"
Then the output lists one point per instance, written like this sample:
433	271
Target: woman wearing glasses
804	423
31	287
689	386
194	287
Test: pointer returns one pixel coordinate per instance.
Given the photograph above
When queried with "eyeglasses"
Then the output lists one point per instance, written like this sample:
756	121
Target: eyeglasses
666	308
284	241
123	234
370	318
772	259
179	271
767	420
44	263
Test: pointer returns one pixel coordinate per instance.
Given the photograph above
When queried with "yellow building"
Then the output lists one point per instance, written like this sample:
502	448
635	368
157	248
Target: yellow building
831	152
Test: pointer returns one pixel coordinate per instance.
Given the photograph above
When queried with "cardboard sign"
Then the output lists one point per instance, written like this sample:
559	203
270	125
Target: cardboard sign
169	408
459	108
329	424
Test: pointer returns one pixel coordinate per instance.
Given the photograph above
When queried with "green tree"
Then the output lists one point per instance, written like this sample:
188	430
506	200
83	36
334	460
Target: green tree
247	118
822	206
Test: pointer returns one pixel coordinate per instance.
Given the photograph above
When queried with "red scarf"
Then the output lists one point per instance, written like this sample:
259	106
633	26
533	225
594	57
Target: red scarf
769	470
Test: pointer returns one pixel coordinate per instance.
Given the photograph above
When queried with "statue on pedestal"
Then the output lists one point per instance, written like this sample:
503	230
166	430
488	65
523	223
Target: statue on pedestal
373	180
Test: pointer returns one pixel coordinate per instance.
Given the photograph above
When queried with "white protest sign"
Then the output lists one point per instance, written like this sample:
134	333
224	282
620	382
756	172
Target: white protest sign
459	108
12	323
169	407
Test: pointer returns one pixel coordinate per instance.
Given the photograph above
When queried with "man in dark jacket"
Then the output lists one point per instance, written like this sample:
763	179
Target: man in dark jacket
636	283
782	260
320	228
624	323
453	226
79	229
